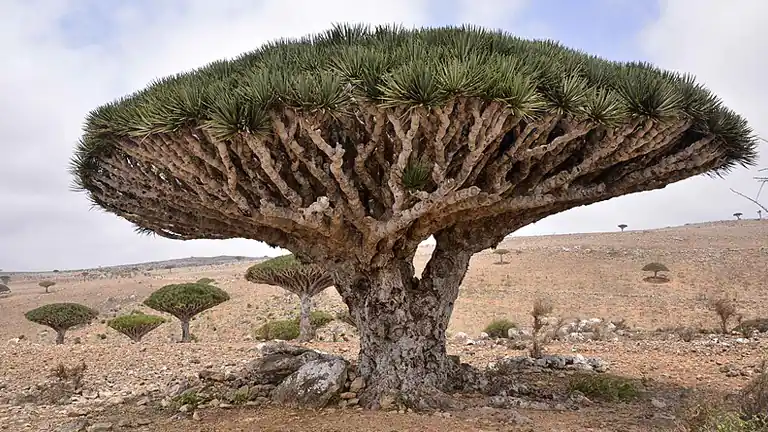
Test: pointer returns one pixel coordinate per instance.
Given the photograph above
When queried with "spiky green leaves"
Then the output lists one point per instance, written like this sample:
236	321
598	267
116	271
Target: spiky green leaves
136	325
62	316
288	273
339	69
186	300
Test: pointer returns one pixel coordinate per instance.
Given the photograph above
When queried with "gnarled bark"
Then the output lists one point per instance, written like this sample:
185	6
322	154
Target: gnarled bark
402	322
186	336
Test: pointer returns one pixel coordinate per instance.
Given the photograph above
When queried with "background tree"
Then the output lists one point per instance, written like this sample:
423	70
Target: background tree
5	279
184	301
206	280
304	280
47	285
622	227
737	215
655	267
351	147
725	307
61	317
136	325
762	180
501	253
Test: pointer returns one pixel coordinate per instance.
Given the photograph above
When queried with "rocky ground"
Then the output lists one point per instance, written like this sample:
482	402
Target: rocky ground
593	279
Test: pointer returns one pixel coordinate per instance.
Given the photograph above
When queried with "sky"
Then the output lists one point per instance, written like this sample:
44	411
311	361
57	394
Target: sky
62	58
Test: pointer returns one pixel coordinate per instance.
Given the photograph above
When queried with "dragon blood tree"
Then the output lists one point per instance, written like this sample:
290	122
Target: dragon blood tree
304	280
61	317
184	301
351	147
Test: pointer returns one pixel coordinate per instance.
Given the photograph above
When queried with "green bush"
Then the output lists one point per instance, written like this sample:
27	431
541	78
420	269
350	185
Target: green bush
606	387
499	328
278	329
61	317
206	281
319	318
136	325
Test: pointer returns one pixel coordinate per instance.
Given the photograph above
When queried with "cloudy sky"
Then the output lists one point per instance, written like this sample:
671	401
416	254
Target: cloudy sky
62	58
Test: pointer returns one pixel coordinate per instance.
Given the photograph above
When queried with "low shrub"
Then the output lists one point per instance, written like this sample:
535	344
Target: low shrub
278	329
606	387
751	325
319	318
499	328
687	334
205	281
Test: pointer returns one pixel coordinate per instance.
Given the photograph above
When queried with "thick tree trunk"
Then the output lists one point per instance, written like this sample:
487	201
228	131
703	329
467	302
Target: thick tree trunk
306	331
60	336
402	323
185	335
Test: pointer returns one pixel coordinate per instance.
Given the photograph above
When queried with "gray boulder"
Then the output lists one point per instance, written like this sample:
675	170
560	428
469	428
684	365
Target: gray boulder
314	384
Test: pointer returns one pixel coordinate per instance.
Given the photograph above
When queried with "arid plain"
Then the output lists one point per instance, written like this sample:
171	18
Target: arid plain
585	275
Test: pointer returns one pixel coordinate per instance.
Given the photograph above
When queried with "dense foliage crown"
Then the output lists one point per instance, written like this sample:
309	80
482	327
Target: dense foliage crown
61	316
186	300
356	135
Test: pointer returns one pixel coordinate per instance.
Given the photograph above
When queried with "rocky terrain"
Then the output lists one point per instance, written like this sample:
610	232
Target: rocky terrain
607	319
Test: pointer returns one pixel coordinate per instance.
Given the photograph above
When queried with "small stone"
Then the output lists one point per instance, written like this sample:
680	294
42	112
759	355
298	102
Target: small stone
348	395
100	427
77	412
143	422
387	402
357	385
658	403
196	416
115	400
354	401
225	405
185	408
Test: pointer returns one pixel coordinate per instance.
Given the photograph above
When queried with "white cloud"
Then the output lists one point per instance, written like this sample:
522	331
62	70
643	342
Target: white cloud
725	44
49	81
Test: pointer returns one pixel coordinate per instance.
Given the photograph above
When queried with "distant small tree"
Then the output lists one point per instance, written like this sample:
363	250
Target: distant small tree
738	215
5	279
500	253
47	285
61	317
655	268
622	227
725	308
84	275
136	325
759	214
304	280
541	309
206	281
184	301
